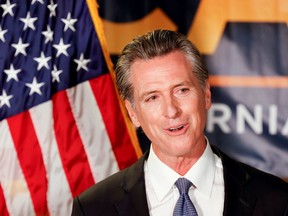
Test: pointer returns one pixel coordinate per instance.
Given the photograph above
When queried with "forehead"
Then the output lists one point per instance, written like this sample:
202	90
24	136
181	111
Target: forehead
161	71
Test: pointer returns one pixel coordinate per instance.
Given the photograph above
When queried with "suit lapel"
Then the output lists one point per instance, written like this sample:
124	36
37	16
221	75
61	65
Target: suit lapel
134	201
238	200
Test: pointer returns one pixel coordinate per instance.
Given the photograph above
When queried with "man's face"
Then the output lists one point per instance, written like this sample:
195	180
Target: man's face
169	104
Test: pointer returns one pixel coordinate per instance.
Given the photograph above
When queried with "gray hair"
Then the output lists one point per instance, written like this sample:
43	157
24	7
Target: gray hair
153	44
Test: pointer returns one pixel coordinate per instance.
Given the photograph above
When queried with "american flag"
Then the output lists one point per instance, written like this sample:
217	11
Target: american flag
62	128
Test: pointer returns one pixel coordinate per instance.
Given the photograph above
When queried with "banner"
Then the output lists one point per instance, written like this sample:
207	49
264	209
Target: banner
62	128
245	45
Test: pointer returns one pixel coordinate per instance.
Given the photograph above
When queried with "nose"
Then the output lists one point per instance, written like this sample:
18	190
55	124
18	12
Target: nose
171	108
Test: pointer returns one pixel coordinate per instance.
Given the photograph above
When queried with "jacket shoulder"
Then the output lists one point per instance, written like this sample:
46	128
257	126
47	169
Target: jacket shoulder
104	194
250	187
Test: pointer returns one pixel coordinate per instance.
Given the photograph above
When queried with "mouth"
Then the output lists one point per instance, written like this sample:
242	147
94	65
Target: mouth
177	129
173	129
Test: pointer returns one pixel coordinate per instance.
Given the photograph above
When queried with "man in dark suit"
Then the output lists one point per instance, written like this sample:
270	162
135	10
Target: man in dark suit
164	83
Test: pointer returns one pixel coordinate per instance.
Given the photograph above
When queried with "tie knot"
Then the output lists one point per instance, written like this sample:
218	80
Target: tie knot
183	185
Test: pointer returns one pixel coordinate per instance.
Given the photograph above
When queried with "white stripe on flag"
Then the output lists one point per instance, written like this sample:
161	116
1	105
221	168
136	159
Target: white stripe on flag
59	196
92	130
16	192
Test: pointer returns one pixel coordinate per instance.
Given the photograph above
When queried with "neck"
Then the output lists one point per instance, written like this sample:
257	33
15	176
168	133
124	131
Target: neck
181	164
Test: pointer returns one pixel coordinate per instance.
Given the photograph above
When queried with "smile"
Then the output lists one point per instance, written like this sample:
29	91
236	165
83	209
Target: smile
176	128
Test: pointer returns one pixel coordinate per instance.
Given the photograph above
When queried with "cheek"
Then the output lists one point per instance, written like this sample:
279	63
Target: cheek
150	111
196	110
149	120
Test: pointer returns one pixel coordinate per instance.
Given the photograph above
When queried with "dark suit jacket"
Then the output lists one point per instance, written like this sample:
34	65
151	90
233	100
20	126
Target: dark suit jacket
248	191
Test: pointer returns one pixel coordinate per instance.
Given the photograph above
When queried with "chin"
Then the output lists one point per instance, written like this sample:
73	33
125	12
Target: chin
182	148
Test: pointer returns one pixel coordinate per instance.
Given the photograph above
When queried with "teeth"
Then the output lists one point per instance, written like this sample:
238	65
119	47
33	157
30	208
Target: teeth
174	129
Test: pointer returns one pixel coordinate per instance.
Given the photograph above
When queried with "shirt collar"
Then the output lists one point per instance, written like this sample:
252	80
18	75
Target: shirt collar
161	176
201	174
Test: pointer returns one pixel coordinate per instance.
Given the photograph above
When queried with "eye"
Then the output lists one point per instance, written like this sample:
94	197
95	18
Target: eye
151	98
183	90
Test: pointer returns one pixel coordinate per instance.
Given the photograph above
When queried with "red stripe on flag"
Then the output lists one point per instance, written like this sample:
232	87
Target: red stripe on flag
108	104
70	146
30	159
3	207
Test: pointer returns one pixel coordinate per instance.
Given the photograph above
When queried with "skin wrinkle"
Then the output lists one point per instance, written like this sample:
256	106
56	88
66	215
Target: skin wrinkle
167	95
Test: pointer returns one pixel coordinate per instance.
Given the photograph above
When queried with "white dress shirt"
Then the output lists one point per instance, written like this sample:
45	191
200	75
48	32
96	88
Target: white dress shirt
206	174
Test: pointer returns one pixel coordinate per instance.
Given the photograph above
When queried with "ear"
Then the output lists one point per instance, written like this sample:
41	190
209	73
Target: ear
207	92
132	113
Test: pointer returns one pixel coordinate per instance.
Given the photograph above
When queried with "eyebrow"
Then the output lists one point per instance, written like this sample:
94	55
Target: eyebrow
145	94
183	83
142	96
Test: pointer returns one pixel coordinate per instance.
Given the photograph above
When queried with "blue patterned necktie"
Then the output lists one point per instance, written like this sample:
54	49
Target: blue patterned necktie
184	206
